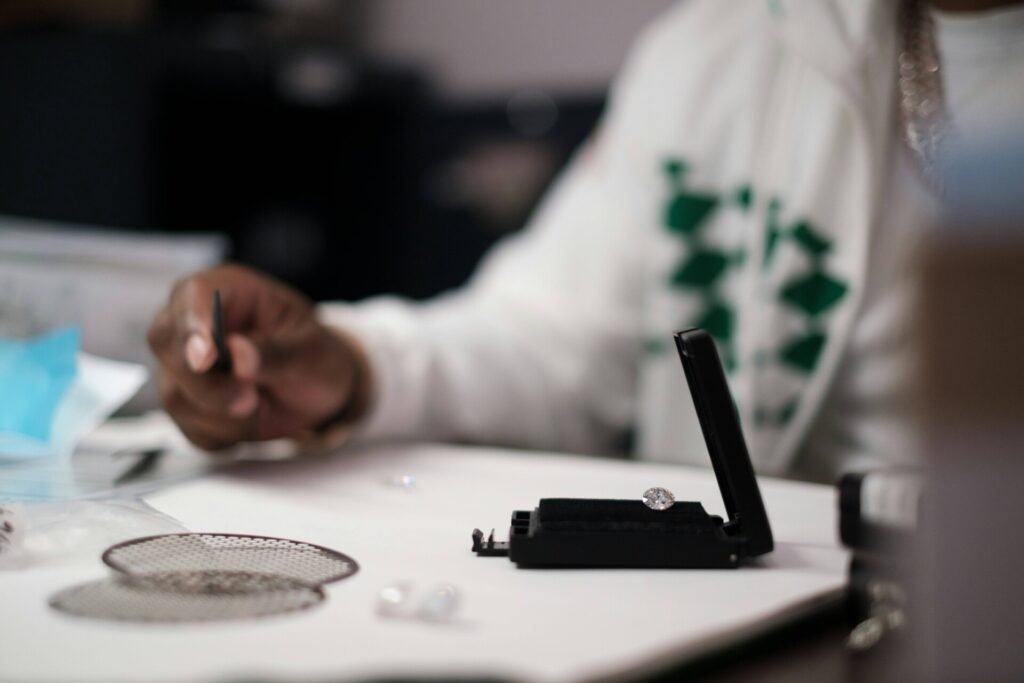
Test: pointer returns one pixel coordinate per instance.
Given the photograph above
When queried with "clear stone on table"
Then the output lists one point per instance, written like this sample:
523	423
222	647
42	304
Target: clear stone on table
658	498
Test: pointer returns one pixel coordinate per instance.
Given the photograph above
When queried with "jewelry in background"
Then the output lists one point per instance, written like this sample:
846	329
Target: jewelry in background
925	123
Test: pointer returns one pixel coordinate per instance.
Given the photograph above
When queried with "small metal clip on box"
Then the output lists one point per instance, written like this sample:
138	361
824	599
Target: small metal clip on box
583	532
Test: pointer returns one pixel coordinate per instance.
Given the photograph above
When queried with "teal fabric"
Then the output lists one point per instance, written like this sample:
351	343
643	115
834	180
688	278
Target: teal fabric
34	376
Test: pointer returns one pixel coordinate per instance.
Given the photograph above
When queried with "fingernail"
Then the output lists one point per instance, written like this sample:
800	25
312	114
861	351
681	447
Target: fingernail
196	351
245	403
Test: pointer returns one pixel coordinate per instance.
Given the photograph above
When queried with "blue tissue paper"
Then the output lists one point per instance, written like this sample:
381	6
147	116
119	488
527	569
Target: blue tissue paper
34	376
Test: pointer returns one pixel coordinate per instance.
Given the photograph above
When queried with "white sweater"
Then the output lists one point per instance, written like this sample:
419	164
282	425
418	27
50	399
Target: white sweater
732	185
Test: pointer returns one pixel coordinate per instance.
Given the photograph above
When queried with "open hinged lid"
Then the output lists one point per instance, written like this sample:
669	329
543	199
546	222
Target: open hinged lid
724	437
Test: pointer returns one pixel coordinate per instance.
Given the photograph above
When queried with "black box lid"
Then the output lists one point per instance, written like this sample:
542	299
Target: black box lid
724	437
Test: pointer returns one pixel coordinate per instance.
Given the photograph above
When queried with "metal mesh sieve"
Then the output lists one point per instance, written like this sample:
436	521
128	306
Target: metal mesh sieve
305	562
183	596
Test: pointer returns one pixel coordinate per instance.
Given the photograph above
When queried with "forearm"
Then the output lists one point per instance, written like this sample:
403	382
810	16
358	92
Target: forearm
456	370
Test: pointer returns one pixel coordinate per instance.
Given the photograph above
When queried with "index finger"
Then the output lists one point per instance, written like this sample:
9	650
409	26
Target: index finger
190	323
170	338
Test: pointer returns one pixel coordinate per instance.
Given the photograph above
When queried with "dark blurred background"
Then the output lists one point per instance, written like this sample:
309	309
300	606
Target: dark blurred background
348	147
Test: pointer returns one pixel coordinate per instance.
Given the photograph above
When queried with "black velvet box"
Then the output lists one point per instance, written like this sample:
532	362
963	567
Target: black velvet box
582	532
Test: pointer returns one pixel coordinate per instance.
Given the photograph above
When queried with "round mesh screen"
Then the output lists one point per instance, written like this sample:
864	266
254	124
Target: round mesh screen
187	596
310	564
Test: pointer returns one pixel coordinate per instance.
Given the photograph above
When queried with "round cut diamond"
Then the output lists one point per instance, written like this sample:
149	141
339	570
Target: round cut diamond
440	603
402	481
658	498
393	600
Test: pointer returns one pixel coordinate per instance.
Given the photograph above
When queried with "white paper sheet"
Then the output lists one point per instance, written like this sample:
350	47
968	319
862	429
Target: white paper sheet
554	625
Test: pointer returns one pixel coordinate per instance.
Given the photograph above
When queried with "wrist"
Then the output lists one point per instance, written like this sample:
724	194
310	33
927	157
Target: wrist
357	399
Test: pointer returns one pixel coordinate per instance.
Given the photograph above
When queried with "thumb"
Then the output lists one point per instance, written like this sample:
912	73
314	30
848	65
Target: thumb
267	359
305	371
261	360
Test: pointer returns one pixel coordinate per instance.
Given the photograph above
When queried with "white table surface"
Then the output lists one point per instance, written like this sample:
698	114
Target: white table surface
537	625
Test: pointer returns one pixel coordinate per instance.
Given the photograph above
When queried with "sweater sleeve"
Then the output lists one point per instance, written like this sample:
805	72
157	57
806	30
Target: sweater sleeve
540	349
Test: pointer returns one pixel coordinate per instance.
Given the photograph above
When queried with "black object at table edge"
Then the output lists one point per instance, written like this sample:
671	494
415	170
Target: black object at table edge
625	533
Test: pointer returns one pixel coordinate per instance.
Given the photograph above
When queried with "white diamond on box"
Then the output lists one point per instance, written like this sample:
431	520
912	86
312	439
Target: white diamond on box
658	498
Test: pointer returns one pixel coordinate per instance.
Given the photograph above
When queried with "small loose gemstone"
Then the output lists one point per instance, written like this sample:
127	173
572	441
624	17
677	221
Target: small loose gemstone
401	481
658	498
393	600
440	603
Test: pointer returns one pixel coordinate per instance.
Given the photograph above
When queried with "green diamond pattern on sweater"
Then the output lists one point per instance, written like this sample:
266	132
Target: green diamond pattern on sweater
718	319
701	270
813	243
744	197
802	353
813	294
687	212
704	268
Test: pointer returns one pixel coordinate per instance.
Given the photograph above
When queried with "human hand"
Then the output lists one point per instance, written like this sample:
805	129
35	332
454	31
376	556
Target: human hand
290	374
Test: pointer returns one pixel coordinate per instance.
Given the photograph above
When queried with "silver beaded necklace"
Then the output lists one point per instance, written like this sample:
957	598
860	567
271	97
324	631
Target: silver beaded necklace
922	101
